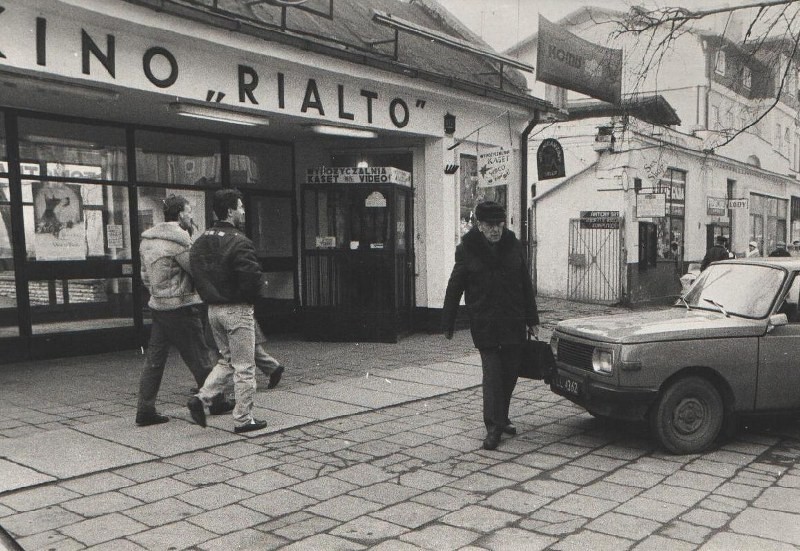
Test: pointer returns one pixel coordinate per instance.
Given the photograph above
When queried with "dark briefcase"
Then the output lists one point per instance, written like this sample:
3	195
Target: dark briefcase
537	360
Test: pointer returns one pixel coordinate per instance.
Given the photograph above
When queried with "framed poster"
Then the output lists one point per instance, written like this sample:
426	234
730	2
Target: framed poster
60	232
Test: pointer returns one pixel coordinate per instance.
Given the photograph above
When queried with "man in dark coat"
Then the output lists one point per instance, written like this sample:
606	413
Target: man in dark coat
492	272
718	252
780	250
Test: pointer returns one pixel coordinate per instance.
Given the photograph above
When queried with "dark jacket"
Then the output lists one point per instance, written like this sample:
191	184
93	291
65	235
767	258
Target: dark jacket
225	267
717	252
780	252
497	289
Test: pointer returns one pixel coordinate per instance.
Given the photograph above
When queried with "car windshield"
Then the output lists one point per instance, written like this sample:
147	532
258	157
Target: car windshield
745	290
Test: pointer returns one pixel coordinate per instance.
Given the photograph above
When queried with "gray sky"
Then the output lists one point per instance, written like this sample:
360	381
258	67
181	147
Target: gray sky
502	23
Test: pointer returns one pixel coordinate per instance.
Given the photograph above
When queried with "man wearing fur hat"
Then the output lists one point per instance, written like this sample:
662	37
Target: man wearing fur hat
491	272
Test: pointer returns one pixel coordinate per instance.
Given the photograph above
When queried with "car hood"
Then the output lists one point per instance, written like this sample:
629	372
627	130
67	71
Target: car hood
663	325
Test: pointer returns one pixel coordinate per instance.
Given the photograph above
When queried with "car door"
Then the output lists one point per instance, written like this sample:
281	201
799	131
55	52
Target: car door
779	357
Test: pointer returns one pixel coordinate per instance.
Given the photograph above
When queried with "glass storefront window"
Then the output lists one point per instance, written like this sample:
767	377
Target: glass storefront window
271	225
151	207
326	221
66	221
471	194
768	215
80	304
72	150
178	159
265	166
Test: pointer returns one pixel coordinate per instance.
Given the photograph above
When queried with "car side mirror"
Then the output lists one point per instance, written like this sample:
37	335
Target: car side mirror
777	320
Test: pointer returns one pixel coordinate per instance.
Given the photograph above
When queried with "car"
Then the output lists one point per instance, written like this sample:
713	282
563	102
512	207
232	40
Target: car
730	346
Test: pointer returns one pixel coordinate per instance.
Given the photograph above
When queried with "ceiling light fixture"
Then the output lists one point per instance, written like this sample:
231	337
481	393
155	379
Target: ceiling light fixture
217	114
343	131
54	86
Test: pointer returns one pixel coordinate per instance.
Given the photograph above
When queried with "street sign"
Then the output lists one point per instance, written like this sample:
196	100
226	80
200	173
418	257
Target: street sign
550	159
738	203
651	205
600	219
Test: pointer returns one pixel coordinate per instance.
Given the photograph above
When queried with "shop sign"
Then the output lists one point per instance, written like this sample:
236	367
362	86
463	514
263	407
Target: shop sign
550	159
71	47
375	200
600	219
716	206
358	175
651	205
739	203
494	167
565	60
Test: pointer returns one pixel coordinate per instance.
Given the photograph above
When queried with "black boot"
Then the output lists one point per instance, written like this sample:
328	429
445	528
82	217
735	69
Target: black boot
492	439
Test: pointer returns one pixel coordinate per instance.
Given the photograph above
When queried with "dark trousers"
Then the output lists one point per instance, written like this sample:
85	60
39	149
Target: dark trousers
183	329
500	370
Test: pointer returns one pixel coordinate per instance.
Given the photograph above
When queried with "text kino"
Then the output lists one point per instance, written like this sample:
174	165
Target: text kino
247	81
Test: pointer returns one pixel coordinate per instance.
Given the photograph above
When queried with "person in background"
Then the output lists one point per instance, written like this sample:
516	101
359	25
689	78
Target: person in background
718	252
752	250
175	307
229	279
491	271
780	250
268	365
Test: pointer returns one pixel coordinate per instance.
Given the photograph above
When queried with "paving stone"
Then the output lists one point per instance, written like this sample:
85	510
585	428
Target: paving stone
262	481
660	543
163	512
728	541
396	545
585	506
695	481
386	493
739	491
5	511
780	499
448	499
344	507
789	481
178	535
651	509
233	450
655	466
96	483
576	475
410	515
514	539
324	487
565	450
42	540
249	539
279	502
253	463
36	498
148	471
424	479
675	494
723	504
624	526
104	528
440	537
480	482
516	501
216	495
228	519
324	541
549	488
687	532
479	518
368	529
208	474
628	476
193	460
101	504
542	461
705	517
592	540
599	462
39	520
608	490
306	526
714	468
776	525
156	490
363	474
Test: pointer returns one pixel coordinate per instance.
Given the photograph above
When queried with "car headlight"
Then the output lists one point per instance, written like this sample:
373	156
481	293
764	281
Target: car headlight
554	346
602	361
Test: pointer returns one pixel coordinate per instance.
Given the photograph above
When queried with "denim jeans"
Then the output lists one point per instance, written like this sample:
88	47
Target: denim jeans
500	371
183	329
264	361
234	332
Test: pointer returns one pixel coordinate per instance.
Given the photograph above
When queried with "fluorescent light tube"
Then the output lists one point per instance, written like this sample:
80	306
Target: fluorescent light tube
343	131
217	114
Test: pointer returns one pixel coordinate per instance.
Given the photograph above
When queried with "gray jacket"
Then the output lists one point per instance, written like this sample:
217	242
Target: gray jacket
165	267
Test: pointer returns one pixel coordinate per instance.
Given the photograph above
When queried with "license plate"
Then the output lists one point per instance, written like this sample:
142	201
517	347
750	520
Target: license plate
565	384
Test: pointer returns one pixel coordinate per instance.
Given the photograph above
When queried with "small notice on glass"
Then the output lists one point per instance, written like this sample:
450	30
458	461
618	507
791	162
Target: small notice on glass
114	236
326	242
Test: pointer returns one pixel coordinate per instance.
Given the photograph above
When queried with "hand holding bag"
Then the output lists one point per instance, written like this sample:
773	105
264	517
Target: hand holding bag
537	360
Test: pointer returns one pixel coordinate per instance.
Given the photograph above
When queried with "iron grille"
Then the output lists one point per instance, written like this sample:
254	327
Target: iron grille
575	354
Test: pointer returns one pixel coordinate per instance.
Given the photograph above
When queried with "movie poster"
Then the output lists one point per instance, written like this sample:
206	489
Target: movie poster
60	232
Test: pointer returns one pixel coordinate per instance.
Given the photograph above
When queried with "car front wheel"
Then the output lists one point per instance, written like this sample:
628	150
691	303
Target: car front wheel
689	415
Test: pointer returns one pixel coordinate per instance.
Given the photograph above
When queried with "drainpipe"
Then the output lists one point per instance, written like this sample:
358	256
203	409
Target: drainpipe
525	193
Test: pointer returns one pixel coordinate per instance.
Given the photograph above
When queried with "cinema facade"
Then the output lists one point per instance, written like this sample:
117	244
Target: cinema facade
359	164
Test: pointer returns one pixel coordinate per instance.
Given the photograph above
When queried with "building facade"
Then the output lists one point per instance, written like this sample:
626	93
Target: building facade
640	202
356	157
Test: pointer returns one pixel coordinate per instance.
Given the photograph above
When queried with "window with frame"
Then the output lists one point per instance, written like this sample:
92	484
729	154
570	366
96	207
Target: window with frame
719	63
670	229
471	194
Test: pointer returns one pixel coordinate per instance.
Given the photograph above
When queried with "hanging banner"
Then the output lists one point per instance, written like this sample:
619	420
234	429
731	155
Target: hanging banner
565	60
494	167
550	159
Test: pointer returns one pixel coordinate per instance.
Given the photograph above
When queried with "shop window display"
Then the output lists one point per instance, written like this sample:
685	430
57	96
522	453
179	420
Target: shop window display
472	193
261	165
178	159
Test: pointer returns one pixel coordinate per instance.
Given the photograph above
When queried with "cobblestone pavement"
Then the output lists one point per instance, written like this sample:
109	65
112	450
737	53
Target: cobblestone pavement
409	476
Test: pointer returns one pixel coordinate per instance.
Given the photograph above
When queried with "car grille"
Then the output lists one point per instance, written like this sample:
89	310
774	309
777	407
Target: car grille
576	354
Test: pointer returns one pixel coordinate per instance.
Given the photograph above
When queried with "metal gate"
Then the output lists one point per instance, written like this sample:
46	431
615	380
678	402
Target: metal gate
595	261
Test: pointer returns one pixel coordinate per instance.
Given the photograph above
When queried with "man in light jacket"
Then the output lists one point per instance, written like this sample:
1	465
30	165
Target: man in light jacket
175	308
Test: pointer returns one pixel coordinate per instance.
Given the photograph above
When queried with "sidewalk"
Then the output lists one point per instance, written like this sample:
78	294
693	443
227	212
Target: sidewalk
65	418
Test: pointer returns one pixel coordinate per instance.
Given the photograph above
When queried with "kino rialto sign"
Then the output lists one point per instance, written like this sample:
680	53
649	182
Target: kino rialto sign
60	45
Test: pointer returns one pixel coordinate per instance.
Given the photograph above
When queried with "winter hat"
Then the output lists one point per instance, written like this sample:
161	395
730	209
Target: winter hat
490	212
753	244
